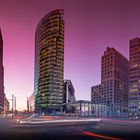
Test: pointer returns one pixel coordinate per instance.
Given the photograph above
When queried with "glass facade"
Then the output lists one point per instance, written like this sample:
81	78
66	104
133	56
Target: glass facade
49	62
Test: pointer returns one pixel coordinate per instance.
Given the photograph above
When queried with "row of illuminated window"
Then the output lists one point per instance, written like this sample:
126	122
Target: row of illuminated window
134	74
133	55
49	71
50	81
50	74
134	46
53	47
55	71
51	102
56	25
58	93
46	81
40	98
49	77
134	65
49	35
51	54
50	97
49	24
43	34
53	16
50	84
46	91
47	52
135	51
51	42
133	85
43	86
135	60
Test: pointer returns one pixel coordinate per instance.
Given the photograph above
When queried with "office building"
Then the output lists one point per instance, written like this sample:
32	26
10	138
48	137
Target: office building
1	75
99	107
112	93
134	78
114	80
96	95
49	63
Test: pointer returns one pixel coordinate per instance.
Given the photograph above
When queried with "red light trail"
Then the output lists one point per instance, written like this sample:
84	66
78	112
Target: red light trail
100	136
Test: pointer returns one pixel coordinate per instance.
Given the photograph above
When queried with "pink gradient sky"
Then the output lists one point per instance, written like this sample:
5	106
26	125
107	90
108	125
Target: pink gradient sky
89	25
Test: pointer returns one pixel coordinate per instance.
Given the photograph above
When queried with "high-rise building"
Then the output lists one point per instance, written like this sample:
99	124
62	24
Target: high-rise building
49	62
112	93
114	80
1	75
134	77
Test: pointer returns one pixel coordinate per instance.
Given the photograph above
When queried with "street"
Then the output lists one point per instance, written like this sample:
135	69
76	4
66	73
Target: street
106	129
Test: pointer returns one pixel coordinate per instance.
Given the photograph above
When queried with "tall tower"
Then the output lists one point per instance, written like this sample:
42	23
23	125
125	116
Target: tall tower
134	78
49	62
114	80
1	75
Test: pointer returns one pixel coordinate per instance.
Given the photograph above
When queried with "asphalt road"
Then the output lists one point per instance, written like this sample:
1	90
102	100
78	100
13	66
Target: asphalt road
103	130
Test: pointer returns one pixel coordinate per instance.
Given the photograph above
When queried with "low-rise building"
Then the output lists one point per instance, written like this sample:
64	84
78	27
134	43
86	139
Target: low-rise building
69	92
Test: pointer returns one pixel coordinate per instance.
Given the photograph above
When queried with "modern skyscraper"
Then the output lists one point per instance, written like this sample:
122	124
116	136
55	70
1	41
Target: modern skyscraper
1	75
114	80
49	62
134	78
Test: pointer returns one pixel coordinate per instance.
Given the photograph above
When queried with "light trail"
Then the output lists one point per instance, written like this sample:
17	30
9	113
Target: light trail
55	121
99	136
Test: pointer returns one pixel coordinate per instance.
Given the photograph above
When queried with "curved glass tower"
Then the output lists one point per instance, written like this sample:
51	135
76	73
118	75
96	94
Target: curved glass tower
49	59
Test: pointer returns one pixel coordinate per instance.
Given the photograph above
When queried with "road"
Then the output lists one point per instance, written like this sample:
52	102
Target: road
106	129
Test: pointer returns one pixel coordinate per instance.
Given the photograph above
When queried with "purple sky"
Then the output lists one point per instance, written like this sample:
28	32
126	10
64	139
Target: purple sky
89	25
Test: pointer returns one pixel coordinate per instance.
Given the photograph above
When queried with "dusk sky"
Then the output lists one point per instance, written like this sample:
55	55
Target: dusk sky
90	26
